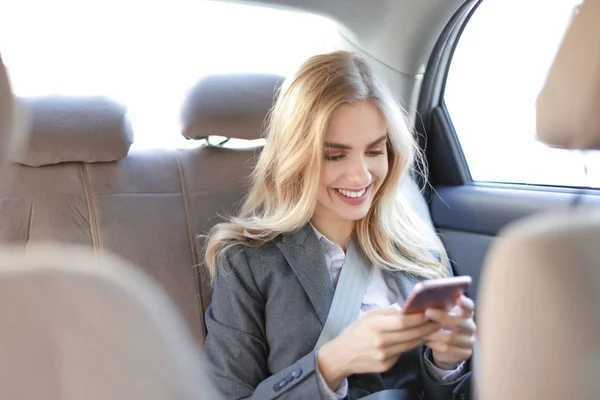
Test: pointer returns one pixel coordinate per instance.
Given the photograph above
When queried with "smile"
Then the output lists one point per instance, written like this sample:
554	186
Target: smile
353	194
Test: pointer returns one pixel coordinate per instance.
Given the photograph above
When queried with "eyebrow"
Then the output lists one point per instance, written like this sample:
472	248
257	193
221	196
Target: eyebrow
346	147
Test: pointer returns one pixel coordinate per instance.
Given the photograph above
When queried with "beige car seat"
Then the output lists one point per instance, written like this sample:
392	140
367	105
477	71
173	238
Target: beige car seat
74	327
539	296
216	177
78	327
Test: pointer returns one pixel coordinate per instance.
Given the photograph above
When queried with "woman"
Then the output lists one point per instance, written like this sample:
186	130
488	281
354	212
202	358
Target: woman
338	147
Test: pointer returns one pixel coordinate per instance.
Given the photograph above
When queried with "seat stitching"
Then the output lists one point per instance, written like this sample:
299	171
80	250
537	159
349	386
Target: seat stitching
89	198
30	225
192	237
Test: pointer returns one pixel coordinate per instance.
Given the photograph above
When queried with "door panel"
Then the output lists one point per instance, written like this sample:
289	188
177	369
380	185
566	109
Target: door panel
466	252
485	209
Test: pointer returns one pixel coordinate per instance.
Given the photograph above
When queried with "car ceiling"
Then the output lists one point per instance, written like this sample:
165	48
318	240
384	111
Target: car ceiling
397	33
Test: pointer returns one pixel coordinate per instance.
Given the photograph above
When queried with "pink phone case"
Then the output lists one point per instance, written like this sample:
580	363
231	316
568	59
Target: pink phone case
440	294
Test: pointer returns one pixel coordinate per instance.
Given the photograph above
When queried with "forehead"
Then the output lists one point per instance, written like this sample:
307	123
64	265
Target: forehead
356	124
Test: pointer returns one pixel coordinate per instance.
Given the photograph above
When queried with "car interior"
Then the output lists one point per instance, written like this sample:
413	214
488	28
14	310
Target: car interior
143	123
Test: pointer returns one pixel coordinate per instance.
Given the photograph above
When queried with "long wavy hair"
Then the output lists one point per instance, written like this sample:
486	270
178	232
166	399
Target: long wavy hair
285	181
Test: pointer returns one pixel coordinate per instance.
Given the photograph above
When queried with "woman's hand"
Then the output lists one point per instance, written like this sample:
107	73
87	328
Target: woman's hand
454	343
373	343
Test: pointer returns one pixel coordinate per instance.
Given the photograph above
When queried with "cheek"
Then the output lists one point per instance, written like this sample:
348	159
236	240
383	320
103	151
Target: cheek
328	176
380	168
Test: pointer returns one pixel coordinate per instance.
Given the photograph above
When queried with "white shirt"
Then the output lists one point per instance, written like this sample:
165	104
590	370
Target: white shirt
381	292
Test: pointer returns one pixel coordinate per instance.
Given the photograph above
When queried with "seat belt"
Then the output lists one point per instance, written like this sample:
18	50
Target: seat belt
347	299
348	295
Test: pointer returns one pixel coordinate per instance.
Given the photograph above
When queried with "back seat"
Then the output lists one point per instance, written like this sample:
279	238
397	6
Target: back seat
216	177
78	183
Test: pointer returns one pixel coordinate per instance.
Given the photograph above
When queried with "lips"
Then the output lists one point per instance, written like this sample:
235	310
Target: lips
352	193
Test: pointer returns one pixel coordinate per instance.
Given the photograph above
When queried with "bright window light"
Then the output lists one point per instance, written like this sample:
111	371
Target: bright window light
497	71
147	54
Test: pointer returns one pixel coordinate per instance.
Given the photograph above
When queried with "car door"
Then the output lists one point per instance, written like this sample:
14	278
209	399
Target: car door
477	120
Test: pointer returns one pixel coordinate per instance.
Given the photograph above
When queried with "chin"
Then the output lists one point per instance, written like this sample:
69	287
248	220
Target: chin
354	215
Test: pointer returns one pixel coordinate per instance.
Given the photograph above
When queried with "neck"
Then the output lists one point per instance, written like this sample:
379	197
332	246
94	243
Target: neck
338	231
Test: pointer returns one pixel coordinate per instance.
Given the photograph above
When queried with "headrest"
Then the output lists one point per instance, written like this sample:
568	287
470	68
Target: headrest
13	121
76	129
77	327
234	106
568	106
6	111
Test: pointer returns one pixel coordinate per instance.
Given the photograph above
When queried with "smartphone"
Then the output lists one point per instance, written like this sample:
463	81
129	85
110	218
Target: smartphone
440	294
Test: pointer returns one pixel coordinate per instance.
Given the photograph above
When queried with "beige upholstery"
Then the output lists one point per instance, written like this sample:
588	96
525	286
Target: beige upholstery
134	208
539	326
216	178
538	317
74	327
148	207
232	106
14	123
567	106
66	129
6	112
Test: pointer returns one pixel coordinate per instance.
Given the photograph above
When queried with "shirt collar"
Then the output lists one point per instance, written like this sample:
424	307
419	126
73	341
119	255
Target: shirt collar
322	237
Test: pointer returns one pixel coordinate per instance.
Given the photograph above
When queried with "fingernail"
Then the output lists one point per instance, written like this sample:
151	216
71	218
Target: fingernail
430	313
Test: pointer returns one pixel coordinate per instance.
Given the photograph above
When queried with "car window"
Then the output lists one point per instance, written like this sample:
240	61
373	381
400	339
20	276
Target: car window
147	56
497	71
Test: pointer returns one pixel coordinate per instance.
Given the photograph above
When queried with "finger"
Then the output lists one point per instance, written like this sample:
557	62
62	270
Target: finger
467	327
452	339
451	351
456	310
389	356
446	320
398	321
380	312
400	348
467	305
393	338
456	323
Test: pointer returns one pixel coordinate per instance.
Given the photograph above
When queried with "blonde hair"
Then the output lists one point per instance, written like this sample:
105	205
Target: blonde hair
283	195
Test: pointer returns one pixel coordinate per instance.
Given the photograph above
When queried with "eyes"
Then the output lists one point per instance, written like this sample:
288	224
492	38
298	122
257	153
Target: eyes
338	154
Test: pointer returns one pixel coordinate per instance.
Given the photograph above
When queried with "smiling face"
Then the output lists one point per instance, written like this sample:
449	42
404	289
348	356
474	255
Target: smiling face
355	164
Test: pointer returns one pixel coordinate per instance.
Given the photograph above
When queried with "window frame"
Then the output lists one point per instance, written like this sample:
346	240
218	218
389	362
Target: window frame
438	138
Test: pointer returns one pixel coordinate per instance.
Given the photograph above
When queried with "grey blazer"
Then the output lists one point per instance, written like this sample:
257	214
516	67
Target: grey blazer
268	308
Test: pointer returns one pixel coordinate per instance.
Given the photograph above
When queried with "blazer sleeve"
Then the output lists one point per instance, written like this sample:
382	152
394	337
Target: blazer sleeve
236	348
461	388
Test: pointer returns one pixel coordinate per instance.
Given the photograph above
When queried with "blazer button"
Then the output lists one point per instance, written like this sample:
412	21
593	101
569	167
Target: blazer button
297	373
282	383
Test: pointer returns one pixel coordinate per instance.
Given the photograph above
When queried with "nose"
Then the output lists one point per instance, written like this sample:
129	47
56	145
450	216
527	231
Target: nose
358	172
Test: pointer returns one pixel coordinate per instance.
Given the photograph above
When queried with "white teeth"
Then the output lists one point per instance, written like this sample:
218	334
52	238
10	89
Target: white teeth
351	194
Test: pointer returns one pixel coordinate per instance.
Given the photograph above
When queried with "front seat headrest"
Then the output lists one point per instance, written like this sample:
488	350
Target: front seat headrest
568	105
78	327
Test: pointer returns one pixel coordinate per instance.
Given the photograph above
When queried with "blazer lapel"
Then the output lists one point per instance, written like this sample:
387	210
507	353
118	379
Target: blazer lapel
405	283
304	253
